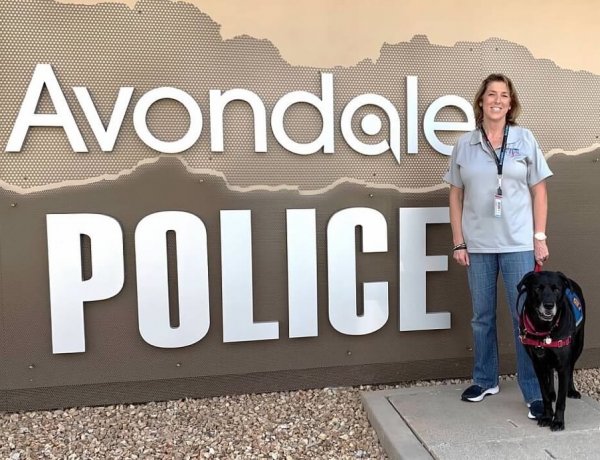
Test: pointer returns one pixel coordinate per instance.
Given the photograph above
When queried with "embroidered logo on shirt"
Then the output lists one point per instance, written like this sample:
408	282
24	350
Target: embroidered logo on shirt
512	152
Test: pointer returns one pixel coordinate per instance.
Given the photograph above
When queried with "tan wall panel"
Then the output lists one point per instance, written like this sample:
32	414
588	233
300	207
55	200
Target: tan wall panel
325	33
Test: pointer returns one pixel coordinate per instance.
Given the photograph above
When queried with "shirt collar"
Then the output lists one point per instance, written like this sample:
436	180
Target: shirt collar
514	135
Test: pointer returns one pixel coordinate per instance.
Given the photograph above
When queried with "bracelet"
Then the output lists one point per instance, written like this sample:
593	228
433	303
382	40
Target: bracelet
460	246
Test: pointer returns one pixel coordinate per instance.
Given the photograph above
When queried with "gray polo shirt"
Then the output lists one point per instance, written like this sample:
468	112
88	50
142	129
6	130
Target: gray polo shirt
472	168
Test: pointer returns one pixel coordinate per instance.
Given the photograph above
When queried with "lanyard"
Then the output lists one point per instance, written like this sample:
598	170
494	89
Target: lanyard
499	159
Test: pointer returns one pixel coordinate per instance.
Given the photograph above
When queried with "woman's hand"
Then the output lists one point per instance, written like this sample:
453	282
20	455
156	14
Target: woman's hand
540	249
461	256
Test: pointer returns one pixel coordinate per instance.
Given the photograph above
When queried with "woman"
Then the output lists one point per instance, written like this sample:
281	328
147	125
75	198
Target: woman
498	209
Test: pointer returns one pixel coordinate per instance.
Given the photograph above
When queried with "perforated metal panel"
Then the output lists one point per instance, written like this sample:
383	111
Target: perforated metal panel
160	43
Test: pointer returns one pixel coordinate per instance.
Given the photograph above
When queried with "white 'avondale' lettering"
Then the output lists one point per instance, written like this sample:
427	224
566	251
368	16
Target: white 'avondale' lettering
106	137
372	149
219	101
141	127
324	106
43	75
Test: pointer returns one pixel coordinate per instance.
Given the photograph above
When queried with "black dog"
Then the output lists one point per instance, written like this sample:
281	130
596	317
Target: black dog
551	323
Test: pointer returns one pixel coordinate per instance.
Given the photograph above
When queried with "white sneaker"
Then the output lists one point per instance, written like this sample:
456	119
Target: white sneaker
475	393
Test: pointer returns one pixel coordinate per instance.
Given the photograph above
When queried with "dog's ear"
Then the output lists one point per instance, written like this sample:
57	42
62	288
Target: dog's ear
524	283
566	281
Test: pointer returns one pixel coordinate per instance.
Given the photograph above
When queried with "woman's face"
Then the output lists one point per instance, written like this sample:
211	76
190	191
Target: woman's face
496	101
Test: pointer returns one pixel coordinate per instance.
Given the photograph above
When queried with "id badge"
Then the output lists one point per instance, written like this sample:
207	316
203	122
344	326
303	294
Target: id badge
497	205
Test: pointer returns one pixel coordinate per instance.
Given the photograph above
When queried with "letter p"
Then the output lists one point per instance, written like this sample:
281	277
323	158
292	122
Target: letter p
68	289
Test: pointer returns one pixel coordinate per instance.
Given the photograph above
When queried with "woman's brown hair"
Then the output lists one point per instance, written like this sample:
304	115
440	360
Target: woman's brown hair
515	105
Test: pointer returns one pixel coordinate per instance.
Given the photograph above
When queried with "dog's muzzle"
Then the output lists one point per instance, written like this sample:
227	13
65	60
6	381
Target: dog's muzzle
547	312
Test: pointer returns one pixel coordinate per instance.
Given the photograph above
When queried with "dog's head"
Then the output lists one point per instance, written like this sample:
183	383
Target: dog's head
545	292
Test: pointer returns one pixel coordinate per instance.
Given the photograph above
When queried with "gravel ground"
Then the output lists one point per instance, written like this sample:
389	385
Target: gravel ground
326	423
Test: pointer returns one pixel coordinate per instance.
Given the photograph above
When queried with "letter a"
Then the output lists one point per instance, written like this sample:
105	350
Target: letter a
44	75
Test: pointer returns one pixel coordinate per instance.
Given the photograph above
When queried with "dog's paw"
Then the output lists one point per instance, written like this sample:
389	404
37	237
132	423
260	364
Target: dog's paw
574	394
557	425
544	421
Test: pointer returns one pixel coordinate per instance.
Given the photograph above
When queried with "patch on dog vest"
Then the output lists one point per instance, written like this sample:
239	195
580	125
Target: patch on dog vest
576	306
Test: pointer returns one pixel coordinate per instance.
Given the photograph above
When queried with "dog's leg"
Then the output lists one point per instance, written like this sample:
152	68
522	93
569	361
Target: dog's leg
572	392
546	381
550	383
558	423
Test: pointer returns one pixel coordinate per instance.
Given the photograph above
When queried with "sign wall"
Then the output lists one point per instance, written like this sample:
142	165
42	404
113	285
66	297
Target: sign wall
187	215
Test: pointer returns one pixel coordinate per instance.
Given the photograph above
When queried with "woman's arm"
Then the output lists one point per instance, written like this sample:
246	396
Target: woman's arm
540	214
456	207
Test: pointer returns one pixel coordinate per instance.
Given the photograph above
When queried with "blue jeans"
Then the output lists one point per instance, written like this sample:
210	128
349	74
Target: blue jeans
483	277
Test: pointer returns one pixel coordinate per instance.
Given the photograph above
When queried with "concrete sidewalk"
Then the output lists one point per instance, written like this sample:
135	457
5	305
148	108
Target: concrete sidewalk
432	422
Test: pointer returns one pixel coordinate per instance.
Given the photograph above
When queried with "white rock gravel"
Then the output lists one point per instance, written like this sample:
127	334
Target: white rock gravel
326	423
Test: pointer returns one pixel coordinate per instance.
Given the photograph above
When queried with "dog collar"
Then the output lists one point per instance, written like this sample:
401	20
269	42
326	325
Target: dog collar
529	336
545	343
